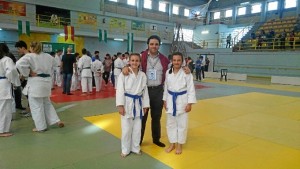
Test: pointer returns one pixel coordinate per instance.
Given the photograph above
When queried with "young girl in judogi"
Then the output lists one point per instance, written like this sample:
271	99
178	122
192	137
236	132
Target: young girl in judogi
97	68
39	86
8	76
179	95
132	100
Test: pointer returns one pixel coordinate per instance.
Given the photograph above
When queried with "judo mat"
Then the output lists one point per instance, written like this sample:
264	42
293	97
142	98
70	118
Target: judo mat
105	92
243	131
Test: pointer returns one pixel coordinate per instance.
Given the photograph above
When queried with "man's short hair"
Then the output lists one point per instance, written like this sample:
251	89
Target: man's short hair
119	53
153	37
52	53
84	51
21	44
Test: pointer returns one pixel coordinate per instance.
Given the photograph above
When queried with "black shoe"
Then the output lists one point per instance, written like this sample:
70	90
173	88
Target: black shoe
21	108
159	144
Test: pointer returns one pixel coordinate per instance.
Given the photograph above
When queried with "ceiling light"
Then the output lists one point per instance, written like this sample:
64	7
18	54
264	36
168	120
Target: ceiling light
118	39
205	32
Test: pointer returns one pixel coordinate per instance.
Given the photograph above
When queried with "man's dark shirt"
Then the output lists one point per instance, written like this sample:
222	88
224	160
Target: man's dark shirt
68	60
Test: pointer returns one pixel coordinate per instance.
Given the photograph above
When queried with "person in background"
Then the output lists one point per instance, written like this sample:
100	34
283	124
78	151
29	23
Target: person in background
198	69
112	76
190	64
53	72
22	50
67	63
97	69
228	41
291	39
180	86
84	65
118	65
58	77
8	76
17	89
132	100
39	86
107	63
126	58
207	61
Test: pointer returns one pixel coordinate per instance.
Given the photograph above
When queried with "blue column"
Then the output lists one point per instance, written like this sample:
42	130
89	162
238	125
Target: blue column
263	11
298	8
234	14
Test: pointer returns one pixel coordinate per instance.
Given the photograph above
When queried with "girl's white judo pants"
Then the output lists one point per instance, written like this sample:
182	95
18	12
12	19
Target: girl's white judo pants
177	128
5	115
131	134
42	112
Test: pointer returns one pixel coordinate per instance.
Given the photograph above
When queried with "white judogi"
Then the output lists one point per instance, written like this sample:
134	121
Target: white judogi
39	88
75	85
8	75
177	125
118	65
56	68
97	68
84	65
131	126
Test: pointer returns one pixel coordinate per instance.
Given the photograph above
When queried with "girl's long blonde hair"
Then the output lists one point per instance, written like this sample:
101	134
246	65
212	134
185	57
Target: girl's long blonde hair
36	47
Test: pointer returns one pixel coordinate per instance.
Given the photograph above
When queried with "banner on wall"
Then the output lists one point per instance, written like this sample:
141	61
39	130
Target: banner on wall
117	23
12	8
153	28
23	28
129	42
138	25
48	47
86	18
69	32
100	36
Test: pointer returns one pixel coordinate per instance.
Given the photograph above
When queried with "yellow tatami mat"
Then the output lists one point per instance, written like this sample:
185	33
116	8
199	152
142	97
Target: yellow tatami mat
245	131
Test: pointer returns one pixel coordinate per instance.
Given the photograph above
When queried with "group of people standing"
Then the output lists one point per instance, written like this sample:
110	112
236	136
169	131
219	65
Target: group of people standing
145	86
34	69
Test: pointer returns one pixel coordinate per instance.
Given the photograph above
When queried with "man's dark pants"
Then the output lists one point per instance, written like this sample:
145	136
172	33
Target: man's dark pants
156	105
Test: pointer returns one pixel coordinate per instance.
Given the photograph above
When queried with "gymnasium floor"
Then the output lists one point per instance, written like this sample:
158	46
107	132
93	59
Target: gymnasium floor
234	125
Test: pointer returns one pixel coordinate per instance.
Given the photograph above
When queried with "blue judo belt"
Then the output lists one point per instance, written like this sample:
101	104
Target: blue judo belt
135	97
43	75
2	77
174	97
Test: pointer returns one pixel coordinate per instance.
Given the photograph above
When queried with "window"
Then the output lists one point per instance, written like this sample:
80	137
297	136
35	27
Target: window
242	11
175	9
162	6
148	4
216	15
290	4
131	2
272	6
186	12
256	8
228	13
187	35
114	0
